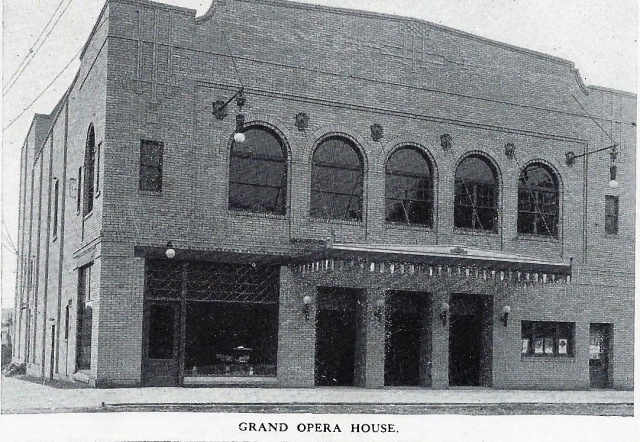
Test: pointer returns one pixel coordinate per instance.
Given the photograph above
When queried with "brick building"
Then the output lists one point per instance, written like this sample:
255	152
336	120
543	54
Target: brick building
293	195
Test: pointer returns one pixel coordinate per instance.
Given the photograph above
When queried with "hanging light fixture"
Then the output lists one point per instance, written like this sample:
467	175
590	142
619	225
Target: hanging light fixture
170	252
613	169
239	136
571	157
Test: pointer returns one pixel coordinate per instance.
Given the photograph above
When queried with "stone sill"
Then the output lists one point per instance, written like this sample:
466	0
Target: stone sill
204	381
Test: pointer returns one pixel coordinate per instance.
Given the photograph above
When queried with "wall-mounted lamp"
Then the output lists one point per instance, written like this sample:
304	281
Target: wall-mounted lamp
444	313
571	157
306	300
613	169
505	315
379	312
170	252
219	109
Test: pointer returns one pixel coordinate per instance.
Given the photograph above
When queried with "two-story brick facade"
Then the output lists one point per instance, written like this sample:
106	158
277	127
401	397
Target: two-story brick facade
292	195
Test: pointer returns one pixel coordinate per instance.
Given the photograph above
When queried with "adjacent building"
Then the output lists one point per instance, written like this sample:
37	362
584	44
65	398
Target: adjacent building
293	195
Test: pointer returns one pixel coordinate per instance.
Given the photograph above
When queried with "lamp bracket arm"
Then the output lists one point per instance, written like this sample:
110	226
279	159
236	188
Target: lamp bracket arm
613	146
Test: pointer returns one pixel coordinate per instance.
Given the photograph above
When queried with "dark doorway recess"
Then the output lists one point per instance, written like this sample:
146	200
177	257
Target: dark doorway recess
407	339
470	340
336	336
161	361
600	348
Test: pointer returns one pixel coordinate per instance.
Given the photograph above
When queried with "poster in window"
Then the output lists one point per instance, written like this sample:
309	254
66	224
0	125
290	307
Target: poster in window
548	346
525	346
538	346
562	346
594	351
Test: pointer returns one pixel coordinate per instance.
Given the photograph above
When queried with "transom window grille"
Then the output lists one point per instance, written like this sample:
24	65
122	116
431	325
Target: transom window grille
233	283
258	173
164	279
409	188
208	281
476	195
538	201
337	177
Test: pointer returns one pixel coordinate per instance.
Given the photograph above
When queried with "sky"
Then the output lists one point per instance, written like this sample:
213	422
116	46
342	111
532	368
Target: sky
599	36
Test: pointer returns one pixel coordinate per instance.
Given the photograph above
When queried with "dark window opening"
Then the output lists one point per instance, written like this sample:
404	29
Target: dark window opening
547	338
476	195
538	201
56	198
83	350
409	188
89	167
258	173
611	207
337	177
151	165
97	186
67	312
79	191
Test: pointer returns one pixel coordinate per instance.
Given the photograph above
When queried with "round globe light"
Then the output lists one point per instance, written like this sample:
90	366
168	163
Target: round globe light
613	184
171	253
239	137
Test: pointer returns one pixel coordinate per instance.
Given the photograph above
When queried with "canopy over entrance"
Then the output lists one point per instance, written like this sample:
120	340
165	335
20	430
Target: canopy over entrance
438	260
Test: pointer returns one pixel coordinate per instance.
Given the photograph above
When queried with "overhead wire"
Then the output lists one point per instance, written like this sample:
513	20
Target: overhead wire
43	91
33	53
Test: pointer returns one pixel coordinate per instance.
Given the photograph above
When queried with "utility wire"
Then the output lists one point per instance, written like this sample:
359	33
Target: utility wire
31	50
42	93
8	88
594	120
7	233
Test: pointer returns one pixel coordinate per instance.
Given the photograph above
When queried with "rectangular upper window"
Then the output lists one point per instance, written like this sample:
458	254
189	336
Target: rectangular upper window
544	338
611	207
151	165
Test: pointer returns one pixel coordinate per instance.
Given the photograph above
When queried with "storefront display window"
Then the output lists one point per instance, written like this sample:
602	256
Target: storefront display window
547	338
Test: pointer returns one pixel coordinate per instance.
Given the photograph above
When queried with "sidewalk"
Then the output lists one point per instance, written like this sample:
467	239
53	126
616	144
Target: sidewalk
22	396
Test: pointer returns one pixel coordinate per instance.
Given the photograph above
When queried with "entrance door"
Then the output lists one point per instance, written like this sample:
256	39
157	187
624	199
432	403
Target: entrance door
470	340
407	339
161	361
600	355
335	337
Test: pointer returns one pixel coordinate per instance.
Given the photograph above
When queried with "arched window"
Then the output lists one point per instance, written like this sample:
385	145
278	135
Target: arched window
258	173
89	171
409	188
476	195
336	180
538	201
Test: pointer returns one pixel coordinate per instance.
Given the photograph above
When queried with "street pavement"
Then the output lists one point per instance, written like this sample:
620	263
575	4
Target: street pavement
26	396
